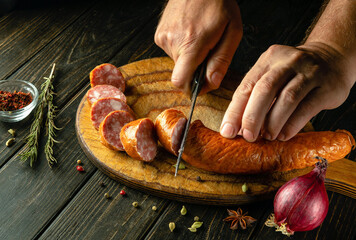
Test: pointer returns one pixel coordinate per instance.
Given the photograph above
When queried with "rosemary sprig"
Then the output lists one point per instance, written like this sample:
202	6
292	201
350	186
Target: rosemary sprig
45	100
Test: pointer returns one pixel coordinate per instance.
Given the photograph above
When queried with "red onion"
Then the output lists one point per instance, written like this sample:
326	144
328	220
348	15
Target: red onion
302	203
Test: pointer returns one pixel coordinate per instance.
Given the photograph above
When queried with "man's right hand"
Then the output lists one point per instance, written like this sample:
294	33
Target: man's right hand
190	31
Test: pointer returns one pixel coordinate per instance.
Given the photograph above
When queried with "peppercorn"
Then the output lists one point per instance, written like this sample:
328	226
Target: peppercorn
79	162
154	208
135	204
107	196
122	193
102	184
196	219
80	169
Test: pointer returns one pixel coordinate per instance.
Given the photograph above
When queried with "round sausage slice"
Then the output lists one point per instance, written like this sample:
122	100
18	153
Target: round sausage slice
104	91
101	108
107	74
170	126
139	140
110	129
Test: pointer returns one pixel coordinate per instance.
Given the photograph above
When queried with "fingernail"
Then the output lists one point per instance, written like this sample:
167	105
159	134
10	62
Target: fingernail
267	136
281	137
216	79
227	130
248	135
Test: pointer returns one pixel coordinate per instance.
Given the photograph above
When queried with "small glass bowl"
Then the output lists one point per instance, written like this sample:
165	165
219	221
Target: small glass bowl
23	86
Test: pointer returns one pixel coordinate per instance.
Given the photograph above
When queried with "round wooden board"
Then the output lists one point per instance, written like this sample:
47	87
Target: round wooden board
149	92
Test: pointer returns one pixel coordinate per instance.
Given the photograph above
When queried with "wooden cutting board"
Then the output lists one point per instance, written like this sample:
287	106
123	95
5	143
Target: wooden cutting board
149	91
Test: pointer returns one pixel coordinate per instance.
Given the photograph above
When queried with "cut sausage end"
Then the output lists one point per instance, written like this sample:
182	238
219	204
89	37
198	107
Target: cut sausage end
170	126
139	140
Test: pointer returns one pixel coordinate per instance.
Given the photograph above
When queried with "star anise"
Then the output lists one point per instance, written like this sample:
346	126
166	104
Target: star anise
237	217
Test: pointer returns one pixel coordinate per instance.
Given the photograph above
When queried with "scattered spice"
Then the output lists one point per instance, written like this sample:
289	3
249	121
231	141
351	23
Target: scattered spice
102	184
107	196
180	167
45	101
11	101
12	132
244	187
199	179
135	204
196	219
197	224
237	217
154	208
122	193
10	142
183	211
79	162
172	226
80	169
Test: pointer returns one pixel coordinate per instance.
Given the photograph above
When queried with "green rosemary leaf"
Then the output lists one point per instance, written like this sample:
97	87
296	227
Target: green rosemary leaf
45	100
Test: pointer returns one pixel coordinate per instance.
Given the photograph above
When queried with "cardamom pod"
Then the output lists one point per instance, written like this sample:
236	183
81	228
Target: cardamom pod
183	211
172	226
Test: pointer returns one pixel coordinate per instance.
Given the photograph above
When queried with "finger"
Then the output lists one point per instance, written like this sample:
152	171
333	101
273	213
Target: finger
311	105
184	68
222	54
285	104
262	96
231	122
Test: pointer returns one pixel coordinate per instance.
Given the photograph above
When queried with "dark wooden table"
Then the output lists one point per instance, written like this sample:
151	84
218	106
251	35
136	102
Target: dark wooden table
61	203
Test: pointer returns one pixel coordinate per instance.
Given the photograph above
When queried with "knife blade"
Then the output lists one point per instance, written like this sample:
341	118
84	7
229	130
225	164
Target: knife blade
197	84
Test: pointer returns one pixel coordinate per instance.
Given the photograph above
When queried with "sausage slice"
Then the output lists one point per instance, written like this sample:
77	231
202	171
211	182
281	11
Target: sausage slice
104	91
107	73
101	108
170	126
110	129
139	140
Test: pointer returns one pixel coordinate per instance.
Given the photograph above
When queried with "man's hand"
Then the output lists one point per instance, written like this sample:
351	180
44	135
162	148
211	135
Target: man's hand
190	31
285	88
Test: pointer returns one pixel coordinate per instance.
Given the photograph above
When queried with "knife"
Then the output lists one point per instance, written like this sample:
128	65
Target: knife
197	84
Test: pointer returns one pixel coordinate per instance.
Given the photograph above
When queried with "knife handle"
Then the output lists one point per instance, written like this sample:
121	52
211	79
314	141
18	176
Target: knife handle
198	79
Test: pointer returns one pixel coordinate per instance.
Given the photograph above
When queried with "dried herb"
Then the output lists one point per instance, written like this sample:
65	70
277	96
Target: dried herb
238	218
45	100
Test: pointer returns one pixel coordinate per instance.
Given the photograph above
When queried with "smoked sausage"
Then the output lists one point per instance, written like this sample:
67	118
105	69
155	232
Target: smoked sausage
208	150
107	73
103	91
101	108
110	129
169	128
139	139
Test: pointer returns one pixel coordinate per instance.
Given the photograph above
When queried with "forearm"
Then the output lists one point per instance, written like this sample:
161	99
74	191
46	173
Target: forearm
336	29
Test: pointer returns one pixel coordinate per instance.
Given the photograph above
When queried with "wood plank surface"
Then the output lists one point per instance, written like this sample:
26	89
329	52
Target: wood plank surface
91	216
82	46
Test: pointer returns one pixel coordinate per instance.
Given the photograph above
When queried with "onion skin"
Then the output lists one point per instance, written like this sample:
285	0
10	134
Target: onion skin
302	203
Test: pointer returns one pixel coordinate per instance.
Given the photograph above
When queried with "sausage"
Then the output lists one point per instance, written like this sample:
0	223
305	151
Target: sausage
139	140
208	150
107	74
169	127
104	106
110	129
103	91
